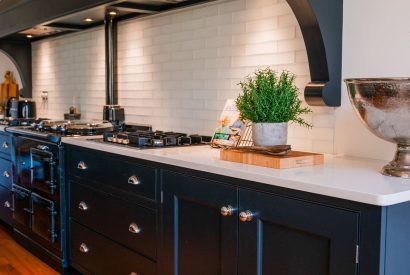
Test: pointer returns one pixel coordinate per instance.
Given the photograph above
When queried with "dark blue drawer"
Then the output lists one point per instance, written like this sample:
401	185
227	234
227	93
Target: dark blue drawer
5	173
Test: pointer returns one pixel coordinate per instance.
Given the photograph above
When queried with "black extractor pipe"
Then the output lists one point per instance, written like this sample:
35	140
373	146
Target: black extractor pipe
112	111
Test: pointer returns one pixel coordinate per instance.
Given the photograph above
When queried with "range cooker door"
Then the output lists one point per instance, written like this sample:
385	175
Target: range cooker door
36	165
44	218
43	169
21	207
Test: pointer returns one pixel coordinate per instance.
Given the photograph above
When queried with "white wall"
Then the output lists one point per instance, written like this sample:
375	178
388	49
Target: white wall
376	43
6	64
177	69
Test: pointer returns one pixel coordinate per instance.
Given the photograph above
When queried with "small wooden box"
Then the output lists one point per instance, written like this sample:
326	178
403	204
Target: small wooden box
292	160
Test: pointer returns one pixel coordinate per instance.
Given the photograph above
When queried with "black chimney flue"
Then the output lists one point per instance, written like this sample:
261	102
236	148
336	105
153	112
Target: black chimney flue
112	111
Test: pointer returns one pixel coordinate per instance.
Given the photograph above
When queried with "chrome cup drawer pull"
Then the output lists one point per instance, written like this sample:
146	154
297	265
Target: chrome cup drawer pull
6	174
134	180
134	228
84	248
82	206
5	145
7	204
82	166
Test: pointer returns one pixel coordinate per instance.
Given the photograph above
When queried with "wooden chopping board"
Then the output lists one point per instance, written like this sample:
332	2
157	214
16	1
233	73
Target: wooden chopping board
292	160
8	88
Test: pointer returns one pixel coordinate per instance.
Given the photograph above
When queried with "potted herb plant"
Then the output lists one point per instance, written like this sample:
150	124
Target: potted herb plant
270	101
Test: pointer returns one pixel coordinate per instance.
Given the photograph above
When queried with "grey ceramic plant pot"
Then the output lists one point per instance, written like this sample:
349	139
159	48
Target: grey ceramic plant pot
270	134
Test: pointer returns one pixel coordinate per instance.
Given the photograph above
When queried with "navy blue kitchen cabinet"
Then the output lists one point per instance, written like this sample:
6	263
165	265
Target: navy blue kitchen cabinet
6	200
227	230
197	238
283	236
113	220
153	218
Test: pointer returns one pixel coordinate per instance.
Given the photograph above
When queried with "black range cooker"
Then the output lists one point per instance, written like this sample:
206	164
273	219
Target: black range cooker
39	191
39	207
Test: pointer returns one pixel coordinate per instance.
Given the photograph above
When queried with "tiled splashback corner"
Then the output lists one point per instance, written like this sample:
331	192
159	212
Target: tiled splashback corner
177	69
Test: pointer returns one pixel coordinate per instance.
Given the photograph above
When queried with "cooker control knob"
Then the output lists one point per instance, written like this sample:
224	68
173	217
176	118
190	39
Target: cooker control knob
43	148
6	174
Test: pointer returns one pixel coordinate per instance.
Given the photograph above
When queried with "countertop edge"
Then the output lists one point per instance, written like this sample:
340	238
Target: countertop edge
372	199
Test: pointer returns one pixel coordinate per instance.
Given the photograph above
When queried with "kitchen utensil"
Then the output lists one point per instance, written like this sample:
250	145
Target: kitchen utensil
383	105
8	89
278	150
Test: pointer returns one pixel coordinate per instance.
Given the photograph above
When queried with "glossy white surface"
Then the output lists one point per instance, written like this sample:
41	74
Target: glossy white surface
346	178
2	127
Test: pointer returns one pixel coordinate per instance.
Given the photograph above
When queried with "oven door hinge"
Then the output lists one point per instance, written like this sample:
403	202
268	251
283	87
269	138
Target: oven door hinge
357	254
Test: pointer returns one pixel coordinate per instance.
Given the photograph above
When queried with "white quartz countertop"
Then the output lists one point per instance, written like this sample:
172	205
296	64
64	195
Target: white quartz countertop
2	128
346	178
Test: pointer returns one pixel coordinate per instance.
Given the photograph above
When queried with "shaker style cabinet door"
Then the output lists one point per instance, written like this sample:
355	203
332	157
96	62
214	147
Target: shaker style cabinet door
200	226
283	236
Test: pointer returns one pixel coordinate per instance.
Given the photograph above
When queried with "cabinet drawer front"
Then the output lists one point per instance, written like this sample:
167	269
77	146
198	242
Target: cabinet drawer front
99	255
130	225
125	176
6	206
5	173
5	144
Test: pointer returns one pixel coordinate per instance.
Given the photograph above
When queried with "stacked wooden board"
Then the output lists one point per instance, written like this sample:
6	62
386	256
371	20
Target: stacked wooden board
292	159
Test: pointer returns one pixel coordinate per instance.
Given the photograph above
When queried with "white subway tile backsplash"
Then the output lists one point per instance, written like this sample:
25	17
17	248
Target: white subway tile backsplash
263	48
177	69
219	20
262	25
265	36
263	60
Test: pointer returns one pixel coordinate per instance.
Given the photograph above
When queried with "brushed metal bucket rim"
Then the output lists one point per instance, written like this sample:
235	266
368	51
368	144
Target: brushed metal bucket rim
376	79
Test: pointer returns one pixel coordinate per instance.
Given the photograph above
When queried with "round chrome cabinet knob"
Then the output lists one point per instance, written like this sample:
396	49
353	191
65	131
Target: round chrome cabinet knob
245	216
7	204
226	210
5	145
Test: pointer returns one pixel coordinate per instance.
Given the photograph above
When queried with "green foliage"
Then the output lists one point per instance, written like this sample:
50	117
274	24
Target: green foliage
267	97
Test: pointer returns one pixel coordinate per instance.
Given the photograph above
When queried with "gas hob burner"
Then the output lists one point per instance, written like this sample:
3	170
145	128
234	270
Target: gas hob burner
19	121
143	139
74	127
